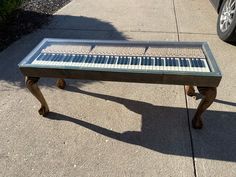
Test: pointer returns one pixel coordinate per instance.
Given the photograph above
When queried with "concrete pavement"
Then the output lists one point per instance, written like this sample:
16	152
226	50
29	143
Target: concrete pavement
118	129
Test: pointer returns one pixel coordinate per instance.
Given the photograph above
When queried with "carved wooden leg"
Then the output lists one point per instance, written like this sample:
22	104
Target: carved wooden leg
61	83
31	83
189	90
209	94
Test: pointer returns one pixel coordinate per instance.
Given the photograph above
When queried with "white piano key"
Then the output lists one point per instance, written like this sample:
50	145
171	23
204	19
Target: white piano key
206	68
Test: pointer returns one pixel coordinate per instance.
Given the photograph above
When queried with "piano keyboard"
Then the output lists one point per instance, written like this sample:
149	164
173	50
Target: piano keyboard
123	62
129	61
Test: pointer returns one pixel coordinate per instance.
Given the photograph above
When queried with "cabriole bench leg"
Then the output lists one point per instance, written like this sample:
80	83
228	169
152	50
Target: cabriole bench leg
189	89
61	83
209	95
31	83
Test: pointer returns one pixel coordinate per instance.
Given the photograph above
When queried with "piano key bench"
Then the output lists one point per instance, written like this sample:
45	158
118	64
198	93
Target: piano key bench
179	63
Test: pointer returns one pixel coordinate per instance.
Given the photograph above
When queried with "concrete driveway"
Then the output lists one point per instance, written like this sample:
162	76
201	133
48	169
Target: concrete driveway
118	129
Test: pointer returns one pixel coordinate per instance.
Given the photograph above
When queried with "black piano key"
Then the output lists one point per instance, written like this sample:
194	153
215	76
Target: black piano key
156	61
119	60
82	58
55	57
97	60
187	63
203	64
43	56
106	59
166	61
181	62
138	61
174	62
40	57
103	59
127	60
62	57
122	60
88	59
150	61
100	59
199	63
192	63
111	60
76	58
146	61
135	61
195	63
46	57
143	61
178	62
171	62
93	58
50	57
71	58
162	62
67	58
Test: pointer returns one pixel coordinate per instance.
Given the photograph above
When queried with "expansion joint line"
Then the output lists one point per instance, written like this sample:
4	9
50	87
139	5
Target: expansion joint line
186	101
176	22
190	134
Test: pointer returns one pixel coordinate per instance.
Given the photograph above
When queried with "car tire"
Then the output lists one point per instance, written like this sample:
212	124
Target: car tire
226	22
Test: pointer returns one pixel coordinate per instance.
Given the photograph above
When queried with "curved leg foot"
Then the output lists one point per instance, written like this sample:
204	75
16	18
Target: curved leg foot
189	90
31	83
43	111
209	94
197	123
61	83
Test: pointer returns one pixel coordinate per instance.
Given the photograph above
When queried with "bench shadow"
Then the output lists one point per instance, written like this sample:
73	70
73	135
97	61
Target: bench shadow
163	129
76	28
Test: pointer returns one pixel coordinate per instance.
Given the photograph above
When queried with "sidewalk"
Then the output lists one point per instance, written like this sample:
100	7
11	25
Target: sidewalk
118	129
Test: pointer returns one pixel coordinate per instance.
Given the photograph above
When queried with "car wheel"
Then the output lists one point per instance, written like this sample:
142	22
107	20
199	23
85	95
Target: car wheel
226	23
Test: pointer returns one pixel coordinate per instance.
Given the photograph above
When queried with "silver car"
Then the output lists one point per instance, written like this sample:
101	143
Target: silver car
226	23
